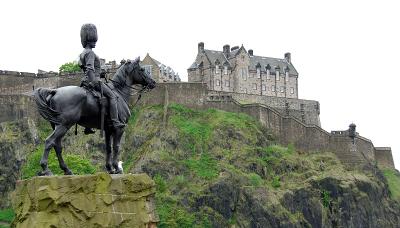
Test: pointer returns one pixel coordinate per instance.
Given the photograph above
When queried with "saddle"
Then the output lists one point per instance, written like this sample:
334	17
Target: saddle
123	108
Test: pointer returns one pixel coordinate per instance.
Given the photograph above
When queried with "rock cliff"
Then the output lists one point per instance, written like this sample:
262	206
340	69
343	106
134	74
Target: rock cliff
220	169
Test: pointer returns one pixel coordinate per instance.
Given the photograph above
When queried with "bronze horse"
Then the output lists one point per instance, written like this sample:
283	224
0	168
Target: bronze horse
70	105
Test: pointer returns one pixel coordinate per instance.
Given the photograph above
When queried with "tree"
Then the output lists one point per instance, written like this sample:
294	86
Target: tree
71	67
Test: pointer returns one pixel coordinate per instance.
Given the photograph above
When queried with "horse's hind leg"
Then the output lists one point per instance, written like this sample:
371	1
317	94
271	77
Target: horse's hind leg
116	145
58	149
50	142
108	153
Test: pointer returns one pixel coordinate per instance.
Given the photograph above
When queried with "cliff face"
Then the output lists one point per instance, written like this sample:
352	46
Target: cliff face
221	169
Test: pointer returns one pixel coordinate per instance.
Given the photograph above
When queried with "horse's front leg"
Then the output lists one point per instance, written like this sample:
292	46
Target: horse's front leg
108	152
116	146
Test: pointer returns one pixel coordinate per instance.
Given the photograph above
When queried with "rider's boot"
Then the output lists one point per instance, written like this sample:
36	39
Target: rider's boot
114	114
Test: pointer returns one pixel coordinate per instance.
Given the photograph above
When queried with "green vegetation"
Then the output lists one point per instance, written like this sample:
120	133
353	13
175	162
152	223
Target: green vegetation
6	216
325	198
203	166
76	163
70	67
393	179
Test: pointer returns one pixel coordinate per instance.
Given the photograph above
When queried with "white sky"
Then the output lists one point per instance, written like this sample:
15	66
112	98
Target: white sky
346	52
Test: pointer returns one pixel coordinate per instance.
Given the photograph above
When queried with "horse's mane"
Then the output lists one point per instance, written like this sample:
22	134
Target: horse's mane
119	77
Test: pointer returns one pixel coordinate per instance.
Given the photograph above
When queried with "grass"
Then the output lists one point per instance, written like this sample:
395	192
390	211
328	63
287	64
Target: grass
393	178
6	216
76	163
203	166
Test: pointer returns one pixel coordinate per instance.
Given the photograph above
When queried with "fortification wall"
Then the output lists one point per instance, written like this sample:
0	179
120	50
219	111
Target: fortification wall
305	110
13	82
290	130
383	156
15	107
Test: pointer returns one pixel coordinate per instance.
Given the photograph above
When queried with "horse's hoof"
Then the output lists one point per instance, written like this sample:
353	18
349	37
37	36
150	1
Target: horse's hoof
45	173
119	171
68	172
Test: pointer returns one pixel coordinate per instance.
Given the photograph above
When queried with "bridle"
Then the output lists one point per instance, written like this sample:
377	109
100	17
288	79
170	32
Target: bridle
138	91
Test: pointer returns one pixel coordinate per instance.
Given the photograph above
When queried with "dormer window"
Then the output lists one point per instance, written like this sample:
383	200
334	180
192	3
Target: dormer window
225	70
216	69
267	68
258	67
287	73
277	73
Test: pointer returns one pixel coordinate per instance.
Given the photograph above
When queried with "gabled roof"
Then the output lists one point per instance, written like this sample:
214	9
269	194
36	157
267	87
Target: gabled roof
273	62
213	56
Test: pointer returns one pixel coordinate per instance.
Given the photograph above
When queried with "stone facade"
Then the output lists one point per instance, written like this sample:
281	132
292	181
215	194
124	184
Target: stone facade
238	70
158	71
384	157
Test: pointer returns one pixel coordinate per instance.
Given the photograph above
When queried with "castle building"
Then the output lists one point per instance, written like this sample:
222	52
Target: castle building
238	70
158	71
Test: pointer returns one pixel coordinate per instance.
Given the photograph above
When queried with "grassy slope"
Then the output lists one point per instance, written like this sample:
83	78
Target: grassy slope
393	178
190	150
187	151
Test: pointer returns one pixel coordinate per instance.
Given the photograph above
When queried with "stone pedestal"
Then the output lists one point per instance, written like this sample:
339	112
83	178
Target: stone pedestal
99	200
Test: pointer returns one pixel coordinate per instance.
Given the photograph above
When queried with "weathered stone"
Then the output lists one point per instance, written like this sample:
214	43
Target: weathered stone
99	200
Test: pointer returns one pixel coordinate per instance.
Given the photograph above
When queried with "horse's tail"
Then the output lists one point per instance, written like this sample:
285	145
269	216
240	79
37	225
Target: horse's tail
42	97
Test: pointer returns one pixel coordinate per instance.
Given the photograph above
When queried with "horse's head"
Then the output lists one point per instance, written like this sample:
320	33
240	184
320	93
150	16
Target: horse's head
135	74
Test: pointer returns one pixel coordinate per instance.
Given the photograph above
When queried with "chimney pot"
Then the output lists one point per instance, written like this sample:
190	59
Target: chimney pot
200	47
288	57
226	50
251	52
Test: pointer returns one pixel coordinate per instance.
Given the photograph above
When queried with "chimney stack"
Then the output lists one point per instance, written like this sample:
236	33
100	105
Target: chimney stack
250	52
288	57
226	49
200	47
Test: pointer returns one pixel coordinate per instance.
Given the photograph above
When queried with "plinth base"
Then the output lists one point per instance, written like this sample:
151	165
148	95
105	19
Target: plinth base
99	200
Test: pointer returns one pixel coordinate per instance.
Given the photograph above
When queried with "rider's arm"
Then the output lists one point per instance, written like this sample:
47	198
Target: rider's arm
89	60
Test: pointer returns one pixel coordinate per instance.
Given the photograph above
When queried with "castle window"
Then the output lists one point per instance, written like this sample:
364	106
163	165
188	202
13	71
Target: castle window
292	90
225	70
258	72
254	86
277	76
216	69
244	73
282	89
227	83
268	77
287	76
263	87
147	69
273	88
218	82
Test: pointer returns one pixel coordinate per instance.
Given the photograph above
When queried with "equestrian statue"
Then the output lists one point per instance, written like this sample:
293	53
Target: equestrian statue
94	104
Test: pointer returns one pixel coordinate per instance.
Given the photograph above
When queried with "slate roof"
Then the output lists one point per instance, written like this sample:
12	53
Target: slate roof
212	56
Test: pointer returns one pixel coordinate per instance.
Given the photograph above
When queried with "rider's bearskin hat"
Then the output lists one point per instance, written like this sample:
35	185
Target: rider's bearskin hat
88	34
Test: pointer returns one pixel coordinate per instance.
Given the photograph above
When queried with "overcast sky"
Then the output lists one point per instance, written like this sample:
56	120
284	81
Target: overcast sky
346	52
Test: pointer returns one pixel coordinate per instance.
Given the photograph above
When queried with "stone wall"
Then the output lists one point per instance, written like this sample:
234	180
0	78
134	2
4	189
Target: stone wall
305	110
281	115
16	107
383	156
288	129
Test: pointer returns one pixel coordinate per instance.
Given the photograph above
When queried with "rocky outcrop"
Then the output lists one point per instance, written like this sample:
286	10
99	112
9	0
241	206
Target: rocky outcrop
16	141
100	200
